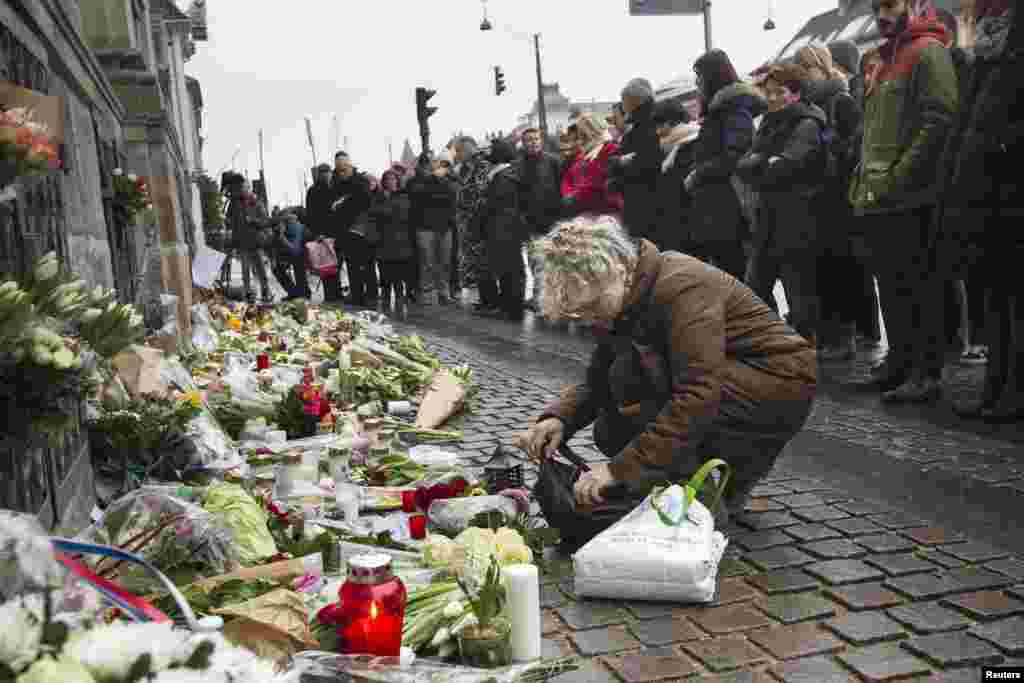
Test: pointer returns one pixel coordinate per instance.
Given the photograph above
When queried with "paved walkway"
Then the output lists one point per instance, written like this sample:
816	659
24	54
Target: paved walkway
862	557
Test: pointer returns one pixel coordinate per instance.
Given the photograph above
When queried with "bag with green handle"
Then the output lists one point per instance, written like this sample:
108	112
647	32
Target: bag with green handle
666	550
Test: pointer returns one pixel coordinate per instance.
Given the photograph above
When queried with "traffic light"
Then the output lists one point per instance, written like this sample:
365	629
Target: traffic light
499	81
423	112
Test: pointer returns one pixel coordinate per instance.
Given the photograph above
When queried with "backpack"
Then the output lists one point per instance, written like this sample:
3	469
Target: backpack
836	148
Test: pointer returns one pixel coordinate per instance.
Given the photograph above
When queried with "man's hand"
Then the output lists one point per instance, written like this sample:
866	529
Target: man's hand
542	439
590	486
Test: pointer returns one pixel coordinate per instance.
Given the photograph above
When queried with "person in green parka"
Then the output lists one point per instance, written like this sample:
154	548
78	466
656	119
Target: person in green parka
910	104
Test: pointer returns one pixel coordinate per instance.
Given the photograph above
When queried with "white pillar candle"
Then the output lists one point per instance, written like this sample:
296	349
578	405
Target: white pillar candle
523	585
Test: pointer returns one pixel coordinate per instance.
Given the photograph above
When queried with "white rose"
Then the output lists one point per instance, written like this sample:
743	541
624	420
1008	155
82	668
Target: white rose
47	269
132	177
19	638
118	172
63	359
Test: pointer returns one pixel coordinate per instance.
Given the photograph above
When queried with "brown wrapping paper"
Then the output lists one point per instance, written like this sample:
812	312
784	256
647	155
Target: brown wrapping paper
274	625
442	400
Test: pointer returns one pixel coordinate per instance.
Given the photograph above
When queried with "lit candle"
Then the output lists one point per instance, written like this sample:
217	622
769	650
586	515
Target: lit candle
418	527
523	585
372	608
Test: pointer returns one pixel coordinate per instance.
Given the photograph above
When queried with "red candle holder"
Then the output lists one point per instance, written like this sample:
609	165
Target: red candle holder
408	501
372	608
418	526
263	362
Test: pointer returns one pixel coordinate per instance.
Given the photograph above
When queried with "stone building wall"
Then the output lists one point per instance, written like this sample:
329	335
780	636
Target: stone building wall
41	48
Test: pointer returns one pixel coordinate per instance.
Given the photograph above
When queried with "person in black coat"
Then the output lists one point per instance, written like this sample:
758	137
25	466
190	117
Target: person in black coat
352	197
978	224
673	205
432	195
541	199
388	220
862	291
499	224
786	165
729	108
635	170
841	273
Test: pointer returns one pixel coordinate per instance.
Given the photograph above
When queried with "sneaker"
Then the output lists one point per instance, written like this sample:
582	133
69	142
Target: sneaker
915	391
976	355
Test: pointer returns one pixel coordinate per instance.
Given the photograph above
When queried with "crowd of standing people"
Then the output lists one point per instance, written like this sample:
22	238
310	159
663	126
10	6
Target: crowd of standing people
829	173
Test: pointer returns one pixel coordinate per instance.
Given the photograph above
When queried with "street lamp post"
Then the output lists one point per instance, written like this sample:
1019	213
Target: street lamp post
707	25
542	107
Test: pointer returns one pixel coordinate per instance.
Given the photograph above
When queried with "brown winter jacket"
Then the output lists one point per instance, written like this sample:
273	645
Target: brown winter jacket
695	349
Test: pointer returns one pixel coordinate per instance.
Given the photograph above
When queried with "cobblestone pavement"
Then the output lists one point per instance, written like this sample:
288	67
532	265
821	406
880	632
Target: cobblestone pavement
822	581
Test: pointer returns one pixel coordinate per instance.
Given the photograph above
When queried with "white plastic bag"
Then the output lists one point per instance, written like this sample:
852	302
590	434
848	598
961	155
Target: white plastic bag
204	336
665	550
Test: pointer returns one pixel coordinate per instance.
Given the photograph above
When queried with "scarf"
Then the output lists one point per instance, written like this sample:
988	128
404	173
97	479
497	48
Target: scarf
924	20
676	138
993	21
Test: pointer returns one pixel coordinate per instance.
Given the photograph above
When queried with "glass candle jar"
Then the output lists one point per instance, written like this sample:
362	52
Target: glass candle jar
262	362
372	608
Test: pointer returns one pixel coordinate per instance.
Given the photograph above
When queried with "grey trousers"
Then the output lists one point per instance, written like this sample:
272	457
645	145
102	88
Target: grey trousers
435	259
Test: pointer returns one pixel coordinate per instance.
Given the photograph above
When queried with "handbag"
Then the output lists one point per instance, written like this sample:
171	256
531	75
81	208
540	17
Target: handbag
554	491
321	259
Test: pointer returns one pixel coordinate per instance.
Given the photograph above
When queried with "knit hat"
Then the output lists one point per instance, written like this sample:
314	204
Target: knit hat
846	55
639	88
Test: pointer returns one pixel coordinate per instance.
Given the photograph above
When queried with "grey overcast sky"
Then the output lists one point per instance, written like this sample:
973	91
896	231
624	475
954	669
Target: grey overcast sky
270	64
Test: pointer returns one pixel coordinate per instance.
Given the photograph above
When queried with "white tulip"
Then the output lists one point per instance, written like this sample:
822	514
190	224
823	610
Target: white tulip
133	178
454	609
19	638
90	316
48	268
63	359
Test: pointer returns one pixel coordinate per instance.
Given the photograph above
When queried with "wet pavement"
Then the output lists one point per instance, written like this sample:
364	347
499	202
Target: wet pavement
883	546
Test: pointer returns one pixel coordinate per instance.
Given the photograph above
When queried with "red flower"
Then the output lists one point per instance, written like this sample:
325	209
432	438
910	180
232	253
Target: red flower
459	486
331	614
422	498
440	492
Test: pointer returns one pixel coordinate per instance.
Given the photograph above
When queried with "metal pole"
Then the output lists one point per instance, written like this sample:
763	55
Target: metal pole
542	109
707	25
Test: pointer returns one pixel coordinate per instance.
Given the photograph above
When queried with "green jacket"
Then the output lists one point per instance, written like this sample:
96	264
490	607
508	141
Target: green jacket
909	106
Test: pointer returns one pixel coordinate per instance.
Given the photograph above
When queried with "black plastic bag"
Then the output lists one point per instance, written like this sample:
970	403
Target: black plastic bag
554	492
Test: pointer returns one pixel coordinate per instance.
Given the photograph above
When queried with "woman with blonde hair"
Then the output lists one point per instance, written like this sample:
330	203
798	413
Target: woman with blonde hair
585	181
690	364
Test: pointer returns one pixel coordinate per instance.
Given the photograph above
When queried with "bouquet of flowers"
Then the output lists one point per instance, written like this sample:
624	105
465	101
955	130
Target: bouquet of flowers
43	369
131	193
25	144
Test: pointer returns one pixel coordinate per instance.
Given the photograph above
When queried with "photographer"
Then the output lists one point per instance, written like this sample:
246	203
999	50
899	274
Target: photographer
249	224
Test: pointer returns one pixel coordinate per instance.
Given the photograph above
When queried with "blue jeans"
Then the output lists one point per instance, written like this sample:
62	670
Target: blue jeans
436	259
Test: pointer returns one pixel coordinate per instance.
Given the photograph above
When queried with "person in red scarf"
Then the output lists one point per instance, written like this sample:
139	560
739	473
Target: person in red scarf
585	182
910	103
978	230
